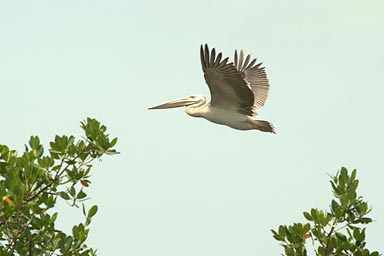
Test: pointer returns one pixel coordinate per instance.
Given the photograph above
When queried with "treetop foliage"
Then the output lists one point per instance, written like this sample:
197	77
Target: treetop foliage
31	184
337	231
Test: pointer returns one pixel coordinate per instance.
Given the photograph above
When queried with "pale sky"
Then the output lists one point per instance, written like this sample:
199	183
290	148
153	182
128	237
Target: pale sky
185	186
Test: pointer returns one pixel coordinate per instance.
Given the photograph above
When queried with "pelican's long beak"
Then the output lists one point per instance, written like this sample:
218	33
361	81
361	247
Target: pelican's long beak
175	103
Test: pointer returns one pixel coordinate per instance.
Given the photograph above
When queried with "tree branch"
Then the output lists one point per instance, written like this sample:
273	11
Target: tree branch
329	237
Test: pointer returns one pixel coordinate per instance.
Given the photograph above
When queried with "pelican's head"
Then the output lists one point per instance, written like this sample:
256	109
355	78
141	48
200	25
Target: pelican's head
196	100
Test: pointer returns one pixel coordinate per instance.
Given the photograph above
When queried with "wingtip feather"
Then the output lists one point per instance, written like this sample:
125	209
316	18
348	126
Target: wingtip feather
206	53
213	56
235	59
240	60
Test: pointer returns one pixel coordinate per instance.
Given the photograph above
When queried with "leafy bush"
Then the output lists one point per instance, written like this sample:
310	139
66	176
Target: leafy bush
31	184
338	231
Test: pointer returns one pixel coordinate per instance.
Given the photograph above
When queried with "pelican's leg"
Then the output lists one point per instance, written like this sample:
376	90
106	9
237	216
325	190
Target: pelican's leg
262	125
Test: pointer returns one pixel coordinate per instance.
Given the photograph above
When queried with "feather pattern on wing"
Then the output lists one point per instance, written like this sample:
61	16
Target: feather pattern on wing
228	85
255	76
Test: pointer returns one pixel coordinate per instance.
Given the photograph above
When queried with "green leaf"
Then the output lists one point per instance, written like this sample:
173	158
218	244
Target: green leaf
50	201
336	209
113	142
363	220
39	151
343	176
81	194
111	152
341	236
277	236
53	218
314	215
356	234
298	228
320	250
308	216
92	128
334	187
306	228
64	195
359	235
363	209
77	230
328	218
92	211
46	162
354	185
72	191
34	142
321	218
282	231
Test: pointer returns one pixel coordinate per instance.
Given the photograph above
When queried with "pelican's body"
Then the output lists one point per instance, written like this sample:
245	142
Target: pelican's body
222	116
237	90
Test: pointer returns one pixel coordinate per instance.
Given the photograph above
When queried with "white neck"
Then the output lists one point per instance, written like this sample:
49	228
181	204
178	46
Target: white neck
197	109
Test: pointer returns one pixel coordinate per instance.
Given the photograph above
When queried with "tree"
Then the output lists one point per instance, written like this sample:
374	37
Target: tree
338	231
31	184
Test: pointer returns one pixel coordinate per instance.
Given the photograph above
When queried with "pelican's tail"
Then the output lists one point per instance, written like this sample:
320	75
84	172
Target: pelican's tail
263	126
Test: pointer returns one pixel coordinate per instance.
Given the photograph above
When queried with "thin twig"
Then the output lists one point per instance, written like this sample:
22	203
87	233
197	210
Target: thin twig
329	237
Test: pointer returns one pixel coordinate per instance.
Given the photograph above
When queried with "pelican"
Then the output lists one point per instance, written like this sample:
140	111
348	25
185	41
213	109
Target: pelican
237	90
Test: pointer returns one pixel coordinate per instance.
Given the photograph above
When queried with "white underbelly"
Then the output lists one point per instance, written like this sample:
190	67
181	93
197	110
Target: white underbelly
230	118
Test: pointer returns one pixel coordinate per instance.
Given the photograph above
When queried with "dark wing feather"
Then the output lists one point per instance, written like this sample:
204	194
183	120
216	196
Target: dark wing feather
255	76
227	85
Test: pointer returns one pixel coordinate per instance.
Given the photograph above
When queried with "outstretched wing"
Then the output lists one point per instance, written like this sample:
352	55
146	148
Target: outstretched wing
228	87
255	76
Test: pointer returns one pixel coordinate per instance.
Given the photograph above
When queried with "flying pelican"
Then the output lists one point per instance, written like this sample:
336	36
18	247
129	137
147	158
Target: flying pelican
237	89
